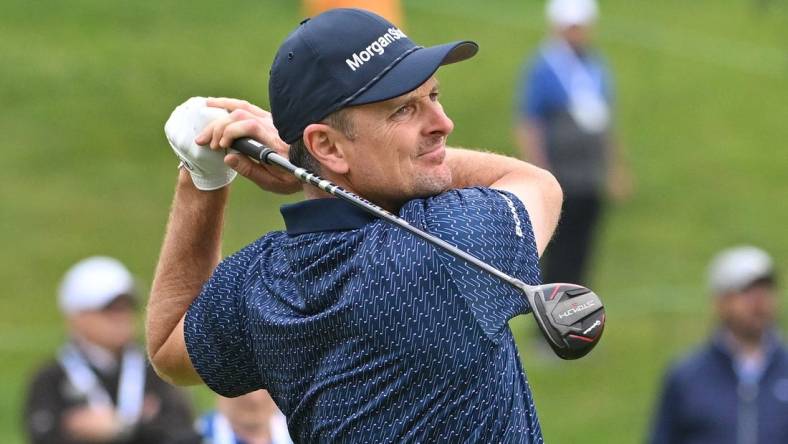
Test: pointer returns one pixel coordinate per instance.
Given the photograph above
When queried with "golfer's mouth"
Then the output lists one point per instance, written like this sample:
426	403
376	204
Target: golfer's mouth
434	152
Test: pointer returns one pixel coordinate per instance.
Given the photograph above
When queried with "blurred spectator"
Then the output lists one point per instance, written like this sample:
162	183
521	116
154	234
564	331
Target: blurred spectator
389	9
101	389
565	125
734	389
252	418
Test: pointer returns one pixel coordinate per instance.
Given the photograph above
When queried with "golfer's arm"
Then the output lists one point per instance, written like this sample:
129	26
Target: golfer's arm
537	188
189	254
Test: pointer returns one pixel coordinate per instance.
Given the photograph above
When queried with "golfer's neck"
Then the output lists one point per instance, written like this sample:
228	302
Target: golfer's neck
312	192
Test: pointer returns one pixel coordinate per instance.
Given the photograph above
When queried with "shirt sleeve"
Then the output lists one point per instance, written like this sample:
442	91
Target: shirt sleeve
493	226
215	329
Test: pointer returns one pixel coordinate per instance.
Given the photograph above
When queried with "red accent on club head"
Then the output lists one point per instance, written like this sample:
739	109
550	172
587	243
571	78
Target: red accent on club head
555	291
582	338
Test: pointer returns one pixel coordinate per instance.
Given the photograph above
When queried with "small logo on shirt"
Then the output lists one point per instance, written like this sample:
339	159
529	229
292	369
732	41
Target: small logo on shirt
518	229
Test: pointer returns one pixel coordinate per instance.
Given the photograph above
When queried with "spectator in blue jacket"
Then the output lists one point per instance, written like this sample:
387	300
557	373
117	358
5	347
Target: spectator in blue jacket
734	389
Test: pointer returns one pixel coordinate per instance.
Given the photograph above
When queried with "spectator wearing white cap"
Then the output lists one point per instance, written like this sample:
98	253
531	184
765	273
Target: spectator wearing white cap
100	388
564	123
734	389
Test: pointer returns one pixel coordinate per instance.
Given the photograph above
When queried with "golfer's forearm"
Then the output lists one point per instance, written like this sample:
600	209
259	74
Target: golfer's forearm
476	168
190	251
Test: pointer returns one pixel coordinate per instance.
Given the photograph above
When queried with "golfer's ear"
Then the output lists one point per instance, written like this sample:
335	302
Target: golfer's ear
325	145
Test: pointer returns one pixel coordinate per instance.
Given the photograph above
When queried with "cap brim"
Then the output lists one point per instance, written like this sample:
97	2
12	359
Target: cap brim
415	69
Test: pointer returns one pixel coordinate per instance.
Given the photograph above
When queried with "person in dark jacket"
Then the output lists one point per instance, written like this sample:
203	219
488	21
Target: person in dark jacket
734	389
100	388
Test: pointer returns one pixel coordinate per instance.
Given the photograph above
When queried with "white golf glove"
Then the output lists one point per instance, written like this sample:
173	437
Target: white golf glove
205	165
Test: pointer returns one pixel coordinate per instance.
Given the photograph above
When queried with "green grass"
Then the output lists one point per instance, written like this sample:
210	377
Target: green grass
86	86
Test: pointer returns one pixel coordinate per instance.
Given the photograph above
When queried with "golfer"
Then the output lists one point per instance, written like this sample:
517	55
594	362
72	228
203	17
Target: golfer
359	330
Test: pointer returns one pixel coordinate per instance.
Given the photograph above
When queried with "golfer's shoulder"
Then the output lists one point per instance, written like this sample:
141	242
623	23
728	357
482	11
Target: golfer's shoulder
257	251
475	205
473	198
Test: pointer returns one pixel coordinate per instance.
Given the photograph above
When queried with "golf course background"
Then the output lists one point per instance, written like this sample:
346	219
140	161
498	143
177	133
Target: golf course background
86	86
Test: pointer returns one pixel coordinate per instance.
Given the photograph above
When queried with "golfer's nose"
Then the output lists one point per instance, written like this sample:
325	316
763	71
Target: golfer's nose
439	122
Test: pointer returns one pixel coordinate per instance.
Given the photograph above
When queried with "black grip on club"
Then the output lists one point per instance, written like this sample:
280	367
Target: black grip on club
253	149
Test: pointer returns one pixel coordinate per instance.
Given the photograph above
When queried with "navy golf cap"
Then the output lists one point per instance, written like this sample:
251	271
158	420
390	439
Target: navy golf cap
348	57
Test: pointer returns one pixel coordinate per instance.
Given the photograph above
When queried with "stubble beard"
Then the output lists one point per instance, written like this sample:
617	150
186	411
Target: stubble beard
437	179
427	185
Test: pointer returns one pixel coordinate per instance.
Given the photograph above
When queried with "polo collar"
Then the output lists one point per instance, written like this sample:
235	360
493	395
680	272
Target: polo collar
329	214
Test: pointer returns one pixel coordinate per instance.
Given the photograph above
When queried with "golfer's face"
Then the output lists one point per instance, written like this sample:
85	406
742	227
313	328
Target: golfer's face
399	152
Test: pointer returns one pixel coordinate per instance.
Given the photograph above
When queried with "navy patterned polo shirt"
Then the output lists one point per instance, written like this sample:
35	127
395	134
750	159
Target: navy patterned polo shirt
362	332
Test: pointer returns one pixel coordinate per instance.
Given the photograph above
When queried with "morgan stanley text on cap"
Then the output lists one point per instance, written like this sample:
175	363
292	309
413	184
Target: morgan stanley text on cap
348	57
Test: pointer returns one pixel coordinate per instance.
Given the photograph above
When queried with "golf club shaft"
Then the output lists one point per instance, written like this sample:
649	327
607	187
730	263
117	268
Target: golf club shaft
263	154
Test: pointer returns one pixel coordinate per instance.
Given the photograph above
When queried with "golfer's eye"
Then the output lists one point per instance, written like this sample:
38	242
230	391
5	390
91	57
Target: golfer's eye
403	111
434	96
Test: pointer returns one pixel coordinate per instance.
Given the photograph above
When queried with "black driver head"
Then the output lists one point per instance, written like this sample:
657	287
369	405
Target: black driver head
571	318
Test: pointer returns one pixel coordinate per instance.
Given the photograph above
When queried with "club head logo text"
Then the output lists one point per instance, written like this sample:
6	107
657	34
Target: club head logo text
576	308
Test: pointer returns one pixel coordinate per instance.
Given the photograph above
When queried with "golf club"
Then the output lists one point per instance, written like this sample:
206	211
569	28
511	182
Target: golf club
571	317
